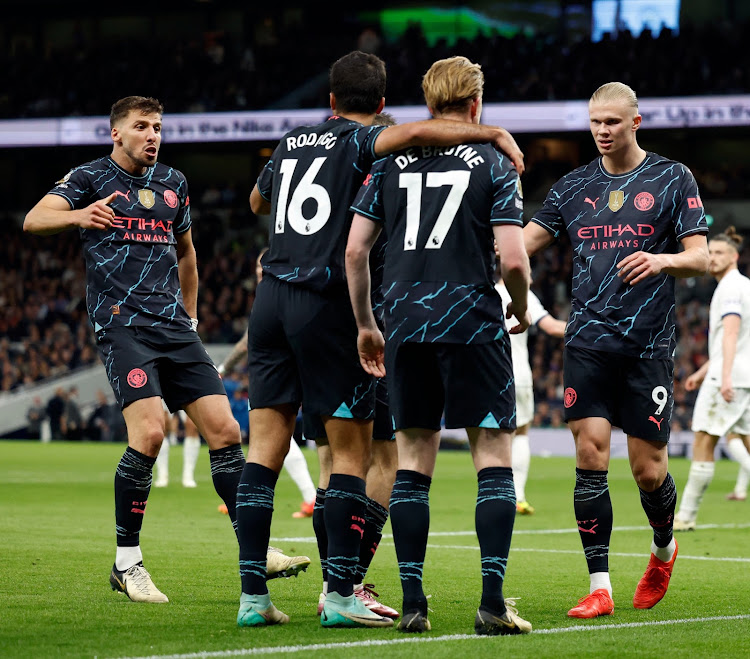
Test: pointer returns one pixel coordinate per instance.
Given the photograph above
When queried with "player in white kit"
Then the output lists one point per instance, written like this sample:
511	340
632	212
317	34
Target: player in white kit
723	403
520	451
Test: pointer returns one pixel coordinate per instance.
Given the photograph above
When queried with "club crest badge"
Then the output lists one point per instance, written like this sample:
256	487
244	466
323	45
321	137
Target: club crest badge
616	200
147	197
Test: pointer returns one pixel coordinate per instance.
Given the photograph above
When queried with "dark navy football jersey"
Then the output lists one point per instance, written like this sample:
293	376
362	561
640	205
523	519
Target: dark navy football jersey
377	265
607	218
131	269
437	206
310	180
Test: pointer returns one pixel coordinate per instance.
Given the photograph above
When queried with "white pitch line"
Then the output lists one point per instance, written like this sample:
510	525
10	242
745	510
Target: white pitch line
723	559
289	649
516	532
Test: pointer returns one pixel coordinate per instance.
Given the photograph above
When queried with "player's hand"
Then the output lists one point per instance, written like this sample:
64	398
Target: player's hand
371	347
507	144
639	266
521	315
727	391
98	215
692	382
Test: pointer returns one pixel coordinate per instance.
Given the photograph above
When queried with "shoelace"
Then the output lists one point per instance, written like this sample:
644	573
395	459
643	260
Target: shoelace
369	589
510	604
140	577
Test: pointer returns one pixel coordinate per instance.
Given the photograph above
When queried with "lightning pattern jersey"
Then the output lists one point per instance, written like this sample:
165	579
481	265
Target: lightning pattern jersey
131	269
310	179
438	206
607	218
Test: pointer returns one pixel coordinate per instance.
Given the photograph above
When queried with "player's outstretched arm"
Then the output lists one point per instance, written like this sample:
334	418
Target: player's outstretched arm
233	358
691	262
536	238
445	132
362	236
52	214
552	326
516	273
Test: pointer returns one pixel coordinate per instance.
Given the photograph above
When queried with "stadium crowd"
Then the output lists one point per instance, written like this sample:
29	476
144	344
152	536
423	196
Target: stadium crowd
213	70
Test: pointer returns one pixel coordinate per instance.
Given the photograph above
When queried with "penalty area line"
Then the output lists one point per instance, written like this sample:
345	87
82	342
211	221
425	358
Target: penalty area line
290	649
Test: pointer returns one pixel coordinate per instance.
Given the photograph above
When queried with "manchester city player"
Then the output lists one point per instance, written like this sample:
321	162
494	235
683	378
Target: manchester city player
302	335
626	213
133	216
446	345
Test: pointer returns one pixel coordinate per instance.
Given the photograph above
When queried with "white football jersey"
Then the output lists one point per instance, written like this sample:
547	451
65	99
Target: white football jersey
732	296
519	343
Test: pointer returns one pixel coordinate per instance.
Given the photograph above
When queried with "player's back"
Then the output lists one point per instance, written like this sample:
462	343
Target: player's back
437	206
310	181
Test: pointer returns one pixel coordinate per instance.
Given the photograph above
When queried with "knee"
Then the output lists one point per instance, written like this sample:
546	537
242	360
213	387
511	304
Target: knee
149	440
649	476
589	455
222	432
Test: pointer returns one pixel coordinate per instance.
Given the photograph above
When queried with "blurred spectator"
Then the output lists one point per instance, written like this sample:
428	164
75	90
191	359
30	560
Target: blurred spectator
35	415
72	419
55	411
100	423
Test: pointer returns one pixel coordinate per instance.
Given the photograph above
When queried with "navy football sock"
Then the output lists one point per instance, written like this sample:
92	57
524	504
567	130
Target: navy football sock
345	524
410	520
593	509
132	487
254	511
227	465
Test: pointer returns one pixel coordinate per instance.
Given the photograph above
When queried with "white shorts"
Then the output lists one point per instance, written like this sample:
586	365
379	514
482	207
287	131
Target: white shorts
713	415
524	404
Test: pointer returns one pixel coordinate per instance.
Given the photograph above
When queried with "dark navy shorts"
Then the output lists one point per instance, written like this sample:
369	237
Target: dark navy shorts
472	384
313	427
302	349
142	362
632	393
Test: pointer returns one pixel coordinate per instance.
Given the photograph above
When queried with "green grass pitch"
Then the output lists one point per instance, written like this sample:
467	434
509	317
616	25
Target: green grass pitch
57	545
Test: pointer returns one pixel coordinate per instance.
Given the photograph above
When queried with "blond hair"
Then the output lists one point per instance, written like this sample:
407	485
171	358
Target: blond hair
452	84
615	92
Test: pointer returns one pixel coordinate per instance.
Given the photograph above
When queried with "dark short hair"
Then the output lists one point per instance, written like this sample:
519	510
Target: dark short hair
357	81
143	104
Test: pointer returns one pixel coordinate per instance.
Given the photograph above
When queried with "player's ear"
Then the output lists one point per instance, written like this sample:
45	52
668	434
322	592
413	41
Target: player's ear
380	106
332	101
637	122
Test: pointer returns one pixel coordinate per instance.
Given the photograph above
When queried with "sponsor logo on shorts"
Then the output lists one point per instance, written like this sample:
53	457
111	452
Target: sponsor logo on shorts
137	378
644	201
570	397
657	422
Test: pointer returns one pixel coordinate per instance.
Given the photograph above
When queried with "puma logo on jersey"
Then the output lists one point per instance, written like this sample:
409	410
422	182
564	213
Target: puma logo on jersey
658	423
593	203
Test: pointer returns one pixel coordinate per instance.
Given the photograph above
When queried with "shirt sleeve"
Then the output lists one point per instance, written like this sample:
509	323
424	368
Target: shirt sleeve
182	222
507	194
731	303
75	187
689	214
265	180
549	217
369	199
363	140
536	309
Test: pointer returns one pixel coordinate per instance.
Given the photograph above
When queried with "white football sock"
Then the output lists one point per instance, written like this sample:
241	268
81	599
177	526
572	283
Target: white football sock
520	459
191	448
664	553
127	557
600	580
172	439
699	478
743	479
296	465
162	464
736	448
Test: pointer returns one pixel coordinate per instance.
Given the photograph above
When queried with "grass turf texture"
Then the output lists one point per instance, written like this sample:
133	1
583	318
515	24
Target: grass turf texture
57	546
